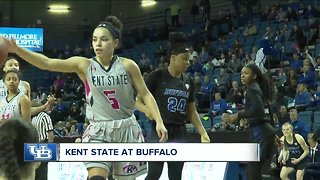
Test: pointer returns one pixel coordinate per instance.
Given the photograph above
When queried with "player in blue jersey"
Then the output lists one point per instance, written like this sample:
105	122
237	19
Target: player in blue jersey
175	96
109	84
258	97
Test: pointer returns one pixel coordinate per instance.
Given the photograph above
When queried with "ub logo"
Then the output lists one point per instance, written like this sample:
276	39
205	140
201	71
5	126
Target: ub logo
130	169
40	151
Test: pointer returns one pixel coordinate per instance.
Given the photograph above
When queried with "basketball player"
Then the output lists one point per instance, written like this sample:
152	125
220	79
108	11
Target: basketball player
174	93
297	149
109	84
24	86
13	135
259	95
16	105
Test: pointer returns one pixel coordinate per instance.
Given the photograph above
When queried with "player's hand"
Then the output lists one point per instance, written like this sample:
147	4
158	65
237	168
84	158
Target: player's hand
205	138
51	100
162	132
11	45
294	161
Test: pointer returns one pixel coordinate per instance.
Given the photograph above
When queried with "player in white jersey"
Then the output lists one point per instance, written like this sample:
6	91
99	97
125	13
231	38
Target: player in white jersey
16	105
24	86
109	82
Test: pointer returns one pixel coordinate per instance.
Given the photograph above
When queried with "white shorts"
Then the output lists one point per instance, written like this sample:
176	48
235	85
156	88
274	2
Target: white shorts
118	131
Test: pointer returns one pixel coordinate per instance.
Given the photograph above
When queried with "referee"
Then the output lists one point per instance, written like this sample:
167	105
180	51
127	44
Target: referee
42	122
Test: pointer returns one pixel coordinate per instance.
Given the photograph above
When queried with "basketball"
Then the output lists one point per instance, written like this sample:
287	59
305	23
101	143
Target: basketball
3	50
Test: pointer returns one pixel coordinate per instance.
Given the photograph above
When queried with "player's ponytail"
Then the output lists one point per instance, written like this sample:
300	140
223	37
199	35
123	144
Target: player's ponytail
178	43
13	135
8	160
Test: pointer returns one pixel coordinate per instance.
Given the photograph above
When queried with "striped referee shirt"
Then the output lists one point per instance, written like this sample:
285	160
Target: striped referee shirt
43	124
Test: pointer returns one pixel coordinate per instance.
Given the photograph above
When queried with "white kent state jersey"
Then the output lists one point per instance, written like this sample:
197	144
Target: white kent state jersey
4	90
10	110
109	92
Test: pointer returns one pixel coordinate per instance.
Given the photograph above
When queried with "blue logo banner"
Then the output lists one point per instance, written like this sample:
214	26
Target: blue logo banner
31	38
40	152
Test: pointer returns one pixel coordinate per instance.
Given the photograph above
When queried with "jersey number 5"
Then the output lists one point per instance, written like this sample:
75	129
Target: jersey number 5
174	104
112	99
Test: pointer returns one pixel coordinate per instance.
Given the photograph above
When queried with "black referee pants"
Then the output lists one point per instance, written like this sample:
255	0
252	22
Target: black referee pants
42	171
176	134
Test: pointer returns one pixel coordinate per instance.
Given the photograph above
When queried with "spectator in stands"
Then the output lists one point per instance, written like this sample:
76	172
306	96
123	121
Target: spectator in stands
223	126
234	65
59	111
207	87
303	98
222	82
312	169
235	94
203	55
60	130
298	38
41	95
175	10
291	14
236	5
294	153
75	113
246	60
317	97
206	9
250	29
13	135
307	77
197	83
222	60
272	13
194	11
296	62
161	51
253	52
144	63
282	77
281	15
301	10
311	12
236	46
279	37
299	127
218	106
282	116
73	131
207	69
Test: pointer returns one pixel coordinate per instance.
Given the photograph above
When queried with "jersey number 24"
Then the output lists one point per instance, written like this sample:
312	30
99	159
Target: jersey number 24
175	105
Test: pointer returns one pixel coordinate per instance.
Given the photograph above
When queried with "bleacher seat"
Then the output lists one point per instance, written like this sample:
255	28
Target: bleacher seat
306	116
316	119
216	119
235	77
190	128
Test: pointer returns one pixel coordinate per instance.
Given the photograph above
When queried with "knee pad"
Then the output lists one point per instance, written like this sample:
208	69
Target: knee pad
97	178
